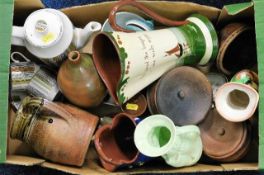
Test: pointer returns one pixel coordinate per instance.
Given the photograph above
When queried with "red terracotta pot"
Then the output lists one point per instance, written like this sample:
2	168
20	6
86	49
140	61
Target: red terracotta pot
115	144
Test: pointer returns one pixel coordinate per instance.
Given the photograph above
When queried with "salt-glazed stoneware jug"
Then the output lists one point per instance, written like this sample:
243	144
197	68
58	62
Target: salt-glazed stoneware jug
127	68
49	35
157	135
58	132
129	21
237	100
115	143
79	81
184	94
224	141
237	48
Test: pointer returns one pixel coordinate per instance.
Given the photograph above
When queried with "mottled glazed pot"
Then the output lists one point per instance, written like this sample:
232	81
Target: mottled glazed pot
115	143
237	49
237	100
134	107
157	135
58	132
126	68
79	81
224	141
184	94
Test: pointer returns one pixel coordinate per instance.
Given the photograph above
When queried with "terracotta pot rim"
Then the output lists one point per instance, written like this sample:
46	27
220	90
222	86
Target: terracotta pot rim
242	87
141	108
101	153
240	28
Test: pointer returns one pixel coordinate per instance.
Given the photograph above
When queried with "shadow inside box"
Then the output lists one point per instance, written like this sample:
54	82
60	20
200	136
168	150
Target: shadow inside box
6	169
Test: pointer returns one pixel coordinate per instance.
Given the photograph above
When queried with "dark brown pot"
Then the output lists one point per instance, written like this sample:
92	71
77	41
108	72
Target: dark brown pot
224	141
237	48
58	132
79	81
184	94
115	144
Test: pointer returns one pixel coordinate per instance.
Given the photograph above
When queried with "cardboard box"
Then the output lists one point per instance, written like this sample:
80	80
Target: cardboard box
15	152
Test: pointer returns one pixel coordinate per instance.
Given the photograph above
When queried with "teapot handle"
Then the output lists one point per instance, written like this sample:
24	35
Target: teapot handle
140	6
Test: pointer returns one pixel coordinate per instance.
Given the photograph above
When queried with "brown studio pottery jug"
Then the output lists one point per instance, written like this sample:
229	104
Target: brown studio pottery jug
79	81
115	144
184	94
58	132
224	141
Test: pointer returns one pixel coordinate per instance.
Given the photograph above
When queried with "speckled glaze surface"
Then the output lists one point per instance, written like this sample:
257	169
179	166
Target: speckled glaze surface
224	141
237	49
79	81
184	94
58	132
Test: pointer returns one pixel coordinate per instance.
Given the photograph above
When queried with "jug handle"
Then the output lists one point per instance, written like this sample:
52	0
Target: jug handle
18	36
140	6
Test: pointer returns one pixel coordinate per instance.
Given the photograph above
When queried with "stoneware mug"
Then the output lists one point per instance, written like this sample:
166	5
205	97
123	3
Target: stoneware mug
237	100
157	135
49	34
126	68
58	132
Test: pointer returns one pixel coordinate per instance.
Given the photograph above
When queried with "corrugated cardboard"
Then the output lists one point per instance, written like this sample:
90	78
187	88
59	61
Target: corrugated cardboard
19	153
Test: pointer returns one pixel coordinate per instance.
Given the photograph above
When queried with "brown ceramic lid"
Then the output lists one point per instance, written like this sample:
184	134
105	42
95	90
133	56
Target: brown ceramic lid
223	140
184	94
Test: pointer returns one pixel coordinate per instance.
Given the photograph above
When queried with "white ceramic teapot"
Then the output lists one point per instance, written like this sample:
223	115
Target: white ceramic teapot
49	33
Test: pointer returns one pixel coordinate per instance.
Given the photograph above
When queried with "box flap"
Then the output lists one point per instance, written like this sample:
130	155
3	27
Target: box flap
6	18
240	166
259	25
23	160
80	15
236	12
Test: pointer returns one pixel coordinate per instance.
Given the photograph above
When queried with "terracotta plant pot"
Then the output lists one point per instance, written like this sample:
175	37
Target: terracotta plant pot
114	142
79	81
224	141
237	100
157	135
126	68
58	132
184	94
237	48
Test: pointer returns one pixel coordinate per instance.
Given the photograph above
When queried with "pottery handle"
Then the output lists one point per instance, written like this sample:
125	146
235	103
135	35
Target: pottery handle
140	6
18	36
